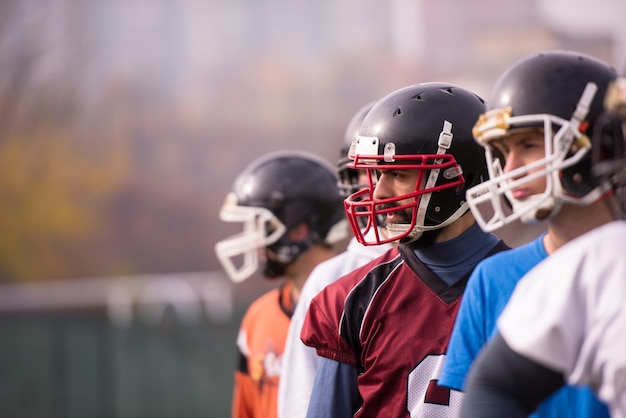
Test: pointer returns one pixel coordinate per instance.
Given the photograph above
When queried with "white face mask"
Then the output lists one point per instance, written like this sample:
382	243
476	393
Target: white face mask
255	235
492	203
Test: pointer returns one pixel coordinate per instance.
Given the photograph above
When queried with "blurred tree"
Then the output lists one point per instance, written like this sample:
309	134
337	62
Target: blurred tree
53	190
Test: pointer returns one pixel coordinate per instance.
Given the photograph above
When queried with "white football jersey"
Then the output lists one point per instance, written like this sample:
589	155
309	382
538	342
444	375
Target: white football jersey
299	362
569	314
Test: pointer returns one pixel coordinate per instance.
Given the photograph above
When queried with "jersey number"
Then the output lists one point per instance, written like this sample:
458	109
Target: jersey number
425	397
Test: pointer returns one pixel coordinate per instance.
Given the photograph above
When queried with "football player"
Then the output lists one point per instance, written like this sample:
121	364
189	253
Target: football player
536	133
382	330
292	214
565	321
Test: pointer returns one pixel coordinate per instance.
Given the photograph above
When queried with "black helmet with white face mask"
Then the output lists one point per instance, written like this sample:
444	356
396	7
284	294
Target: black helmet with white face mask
560	93
274	194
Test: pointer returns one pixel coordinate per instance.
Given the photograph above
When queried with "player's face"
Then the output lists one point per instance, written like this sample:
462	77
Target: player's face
518	150
396	183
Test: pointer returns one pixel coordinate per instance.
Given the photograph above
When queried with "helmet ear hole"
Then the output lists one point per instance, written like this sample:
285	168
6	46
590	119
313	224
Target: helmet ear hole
577	179
609	147
470	180
298	232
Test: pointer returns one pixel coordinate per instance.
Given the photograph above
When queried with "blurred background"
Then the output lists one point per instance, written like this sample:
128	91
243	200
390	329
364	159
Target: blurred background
122	126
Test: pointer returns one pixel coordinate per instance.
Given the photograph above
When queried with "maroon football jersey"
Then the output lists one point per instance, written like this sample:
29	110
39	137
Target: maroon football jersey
392	319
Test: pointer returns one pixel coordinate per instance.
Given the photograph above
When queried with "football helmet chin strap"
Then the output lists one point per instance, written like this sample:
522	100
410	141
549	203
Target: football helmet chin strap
285	251
444	143
536	208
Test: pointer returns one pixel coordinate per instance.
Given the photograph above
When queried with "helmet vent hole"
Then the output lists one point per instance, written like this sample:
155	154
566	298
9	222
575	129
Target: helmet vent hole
398	112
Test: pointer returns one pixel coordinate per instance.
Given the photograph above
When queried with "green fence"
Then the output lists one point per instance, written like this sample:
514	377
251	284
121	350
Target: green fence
81	365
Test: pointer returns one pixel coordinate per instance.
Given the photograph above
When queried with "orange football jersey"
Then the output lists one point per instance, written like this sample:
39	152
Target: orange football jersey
261	342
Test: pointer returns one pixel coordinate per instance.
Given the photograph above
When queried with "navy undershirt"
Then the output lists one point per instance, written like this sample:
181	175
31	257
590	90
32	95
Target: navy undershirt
452	259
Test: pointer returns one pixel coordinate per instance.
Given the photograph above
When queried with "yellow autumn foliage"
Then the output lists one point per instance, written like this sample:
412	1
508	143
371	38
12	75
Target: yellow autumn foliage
52	187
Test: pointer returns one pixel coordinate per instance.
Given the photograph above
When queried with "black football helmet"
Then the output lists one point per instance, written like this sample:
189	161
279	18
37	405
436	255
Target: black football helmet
271	196
611	128
561	93
349	177
424	127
